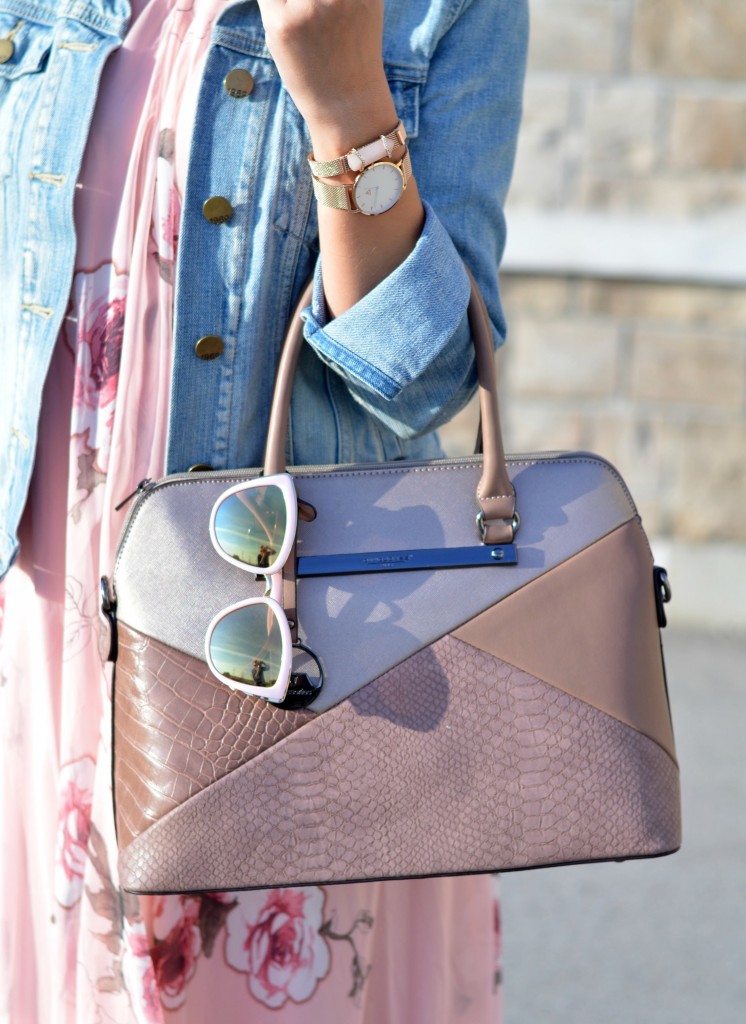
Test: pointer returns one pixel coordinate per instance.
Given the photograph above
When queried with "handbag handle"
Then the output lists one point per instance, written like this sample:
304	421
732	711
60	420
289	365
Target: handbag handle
498	519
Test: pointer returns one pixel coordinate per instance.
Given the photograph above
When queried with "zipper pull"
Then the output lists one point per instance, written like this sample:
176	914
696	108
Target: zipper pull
108	645
662	593
144	485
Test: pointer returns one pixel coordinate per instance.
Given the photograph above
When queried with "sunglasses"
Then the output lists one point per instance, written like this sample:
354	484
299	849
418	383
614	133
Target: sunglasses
248	645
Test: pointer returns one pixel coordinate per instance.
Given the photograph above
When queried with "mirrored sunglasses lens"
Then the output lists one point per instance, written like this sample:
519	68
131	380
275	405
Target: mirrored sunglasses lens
246	645
250	526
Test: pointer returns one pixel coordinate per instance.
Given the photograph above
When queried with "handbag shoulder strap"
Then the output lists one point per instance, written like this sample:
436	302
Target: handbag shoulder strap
495	495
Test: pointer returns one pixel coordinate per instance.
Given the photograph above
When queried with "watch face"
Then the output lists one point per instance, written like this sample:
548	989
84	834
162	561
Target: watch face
378	188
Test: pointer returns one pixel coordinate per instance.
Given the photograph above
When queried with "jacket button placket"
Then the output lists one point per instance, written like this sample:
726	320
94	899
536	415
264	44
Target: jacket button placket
217	209
235	257
238	83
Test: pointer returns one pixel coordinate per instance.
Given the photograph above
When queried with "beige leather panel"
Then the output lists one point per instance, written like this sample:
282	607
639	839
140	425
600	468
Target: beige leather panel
589	627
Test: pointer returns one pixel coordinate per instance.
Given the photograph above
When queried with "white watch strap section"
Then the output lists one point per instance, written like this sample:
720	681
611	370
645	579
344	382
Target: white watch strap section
340	197
385	147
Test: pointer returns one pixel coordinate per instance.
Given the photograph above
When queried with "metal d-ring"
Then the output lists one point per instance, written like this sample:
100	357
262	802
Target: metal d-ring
515	522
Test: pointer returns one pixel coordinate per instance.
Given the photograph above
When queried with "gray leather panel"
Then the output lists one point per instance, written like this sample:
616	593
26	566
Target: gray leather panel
170	582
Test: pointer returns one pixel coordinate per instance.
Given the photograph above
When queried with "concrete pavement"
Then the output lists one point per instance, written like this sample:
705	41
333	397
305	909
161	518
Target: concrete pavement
660	941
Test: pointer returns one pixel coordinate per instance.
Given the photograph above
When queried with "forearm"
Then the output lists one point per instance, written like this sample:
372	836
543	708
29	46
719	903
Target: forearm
414	369
329	55
398	335
358	251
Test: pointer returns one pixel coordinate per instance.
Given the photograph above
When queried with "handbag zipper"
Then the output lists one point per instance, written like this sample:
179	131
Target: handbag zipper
145	485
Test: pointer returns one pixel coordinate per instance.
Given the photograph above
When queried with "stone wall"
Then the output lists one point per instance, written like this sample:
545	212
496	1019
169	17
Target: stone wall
635	105
625	276
650	375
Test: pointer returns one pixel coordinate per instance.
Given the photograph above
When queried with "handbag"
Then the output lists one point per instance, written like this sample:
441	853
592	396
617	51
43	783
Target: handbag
493	693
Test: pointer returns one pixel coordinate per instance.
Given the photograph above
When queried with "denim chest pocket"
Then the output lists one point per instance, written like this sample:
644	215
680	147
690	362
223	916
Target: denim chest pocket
24	52
24	47
405	84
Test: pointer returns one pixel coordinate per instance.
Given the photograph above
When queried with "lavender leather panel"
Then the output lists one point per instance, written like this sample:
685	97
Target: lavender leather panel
361	626
421	773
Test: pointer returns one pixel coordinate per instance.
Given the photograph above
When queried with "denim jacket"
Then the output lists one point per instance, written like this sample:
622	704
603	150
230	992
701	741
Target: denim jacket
375	382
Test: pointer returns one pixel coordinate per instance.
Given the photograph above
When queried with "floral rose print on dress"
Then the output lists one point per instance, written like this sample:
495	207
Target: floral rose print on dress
167	207
73	829
94	332
89	476
139	976
360	969
98	334
178	944
273	937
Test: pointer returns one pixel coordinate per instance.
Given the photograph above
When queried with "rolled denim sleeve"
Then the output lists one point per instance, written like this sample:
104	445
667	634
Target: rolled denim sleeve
404	349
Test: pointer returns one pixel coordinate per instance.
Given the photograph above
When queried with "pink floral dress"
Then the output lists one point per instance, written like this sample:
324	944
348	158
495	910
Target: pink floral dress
74	948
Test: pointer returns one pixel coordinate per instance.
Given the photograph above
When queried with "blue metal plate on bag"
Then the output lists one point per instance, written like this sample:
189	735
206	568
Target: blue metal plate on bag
403	561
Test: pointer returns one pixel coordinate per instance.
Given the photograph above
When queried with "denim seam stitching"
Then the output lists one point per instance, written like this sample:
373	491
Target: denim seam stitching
361	368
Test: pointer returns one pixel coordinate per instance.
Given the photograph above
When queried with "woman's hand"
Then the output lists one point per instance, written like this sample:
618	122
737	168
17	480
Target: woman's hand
329	56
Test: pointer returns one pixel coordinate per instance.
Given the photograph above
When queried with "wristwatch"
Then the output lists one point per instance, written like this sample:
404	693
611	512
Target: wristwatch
386	147
377	188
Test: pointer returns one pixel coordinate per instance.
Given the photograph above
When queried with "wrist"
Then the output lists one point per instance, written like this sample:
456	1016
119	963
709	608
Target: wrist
351	120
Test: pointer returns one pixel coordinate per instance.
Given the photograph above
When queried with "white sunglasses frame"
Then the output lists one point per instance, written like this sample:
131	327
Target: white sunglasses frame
278	691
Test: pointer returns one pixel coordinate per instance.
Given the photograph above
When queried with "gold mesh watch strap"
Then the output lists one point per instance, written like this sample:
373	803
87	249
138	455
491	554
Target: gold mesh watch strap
395	144
339	197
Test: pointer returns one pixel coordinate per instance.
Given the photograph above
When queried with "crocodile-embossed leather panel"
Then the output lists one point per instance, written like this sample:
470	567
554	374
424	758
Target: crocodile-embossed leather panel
177	729
454	761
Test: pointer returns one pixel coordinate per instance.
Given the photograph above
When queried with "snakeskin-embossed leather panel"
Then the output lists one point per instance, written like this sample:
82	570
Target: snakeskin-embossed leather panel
421	772
177	729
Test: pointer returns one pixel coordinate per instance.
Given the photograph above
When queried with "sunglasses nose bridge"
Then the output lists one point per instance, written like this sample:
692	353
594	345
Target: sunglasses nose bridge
273	587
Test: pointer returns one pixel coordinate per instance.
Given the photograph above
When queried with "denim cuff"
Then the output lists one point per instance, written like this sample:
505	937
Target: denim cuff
389	338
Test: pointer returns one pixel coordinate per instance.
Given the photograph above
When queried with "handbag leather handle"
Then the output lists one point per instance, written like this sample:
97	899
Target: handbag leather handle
495	494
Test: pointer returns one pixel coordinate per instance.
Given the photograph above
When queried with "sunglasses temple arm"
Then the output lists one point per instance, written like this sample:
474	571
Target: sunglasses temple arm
282	588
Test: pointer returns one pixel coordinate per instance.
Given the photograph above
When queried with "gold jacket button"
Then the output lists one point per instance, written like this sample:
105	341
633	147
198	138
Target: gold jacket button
209	347
6	50
238	83
217	209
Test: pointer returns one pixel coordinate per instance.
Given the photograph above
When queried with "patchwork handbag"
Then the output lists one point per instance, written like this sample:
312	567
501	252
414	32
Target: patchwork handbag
429	668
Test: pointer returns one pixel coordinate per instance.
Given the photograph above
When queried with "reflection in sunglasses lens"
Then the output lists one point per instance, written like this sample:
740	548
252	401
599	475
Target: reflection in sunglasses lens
246	645
250	526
